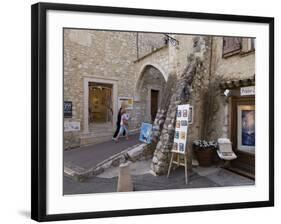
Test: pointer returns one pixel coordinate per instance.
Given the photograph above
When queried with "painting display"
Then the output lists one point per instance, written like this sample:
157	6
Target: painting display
145	133
246	128
183	123
181	128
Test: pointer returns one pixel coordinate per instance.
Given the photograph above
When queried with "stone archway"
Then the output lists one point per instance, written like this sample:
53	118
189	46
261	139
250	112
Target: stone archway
141	73
148	91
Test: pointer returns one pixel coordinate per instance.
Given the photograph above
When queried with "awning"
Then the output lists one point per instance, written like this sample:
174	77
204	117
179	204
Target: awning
232	84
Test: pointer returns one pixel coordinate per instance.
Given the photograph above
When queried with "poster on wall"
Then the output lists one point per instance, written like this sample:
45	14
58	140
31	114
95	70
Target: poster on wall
246	128
125	101
182	122
71	126
67	109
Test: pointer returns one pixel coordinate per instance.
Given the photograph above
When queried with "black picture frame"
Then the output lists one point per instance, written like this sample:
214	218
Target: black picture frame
39	108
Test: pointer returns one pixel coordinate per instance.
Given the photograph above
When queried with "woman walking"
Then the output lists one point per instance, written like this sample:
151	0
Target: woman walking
118	124
123	125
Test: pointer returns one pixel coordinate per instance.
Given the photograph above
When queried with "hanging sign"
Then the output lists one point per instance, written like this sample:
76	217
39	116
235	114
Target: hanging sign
181	129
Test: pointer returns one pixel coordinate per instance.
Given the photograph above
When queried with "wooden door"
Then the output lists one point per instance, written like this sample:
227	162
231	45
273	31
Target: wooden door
154	103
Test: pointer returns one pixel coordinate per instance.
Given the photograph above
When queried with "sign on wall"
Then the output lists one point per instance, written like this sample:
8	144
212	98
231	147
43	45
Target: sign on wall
67	109
126	101
71	126
182	122
247	91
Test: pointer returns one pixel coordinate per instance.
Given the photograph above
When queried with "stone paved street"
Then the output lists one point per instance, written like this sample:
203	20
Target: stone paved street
143	180
87	157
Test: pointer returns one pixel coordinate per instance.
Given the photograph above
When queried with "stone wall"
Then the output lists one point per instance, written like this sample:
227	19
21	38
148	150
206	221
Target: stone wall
149	42
235	67
102	55
97	54
238	66
137	61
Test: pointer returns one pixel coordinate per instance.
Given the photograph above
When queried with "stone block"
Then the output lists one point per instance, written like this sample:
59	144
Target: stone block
125	183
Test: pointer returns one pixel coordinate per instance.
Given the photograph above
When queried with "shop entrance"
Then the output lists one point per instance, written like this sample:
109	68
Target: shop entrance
100	104
154	103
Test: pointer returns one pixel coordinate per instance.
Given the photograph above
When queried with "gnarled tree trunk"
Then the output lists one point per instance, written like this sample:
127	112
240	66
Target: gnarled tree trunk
197	63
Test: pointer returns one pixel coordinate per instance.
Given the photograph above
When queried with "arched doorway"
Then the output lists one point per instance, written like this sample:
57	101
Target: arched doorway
149	89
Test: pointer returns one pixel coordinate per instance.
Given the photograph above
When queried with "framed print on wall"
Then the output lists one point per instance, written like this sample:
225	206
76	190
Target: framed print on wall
246	128
87	160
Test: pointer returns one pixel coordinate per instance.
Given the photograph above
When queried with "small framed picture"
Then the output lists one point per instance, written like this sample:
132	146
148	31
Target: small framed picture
177	134
183	122
182	135
181	147
175	146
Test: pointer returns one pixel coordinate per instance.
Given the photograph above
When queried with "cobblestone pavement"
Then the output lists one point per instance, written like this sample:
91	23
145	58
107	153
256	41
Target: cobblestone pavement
141	183
199	178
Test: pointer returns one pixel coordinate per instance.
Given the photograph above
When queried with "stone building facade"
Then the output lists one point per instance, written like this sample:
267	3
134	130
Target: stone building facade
101	67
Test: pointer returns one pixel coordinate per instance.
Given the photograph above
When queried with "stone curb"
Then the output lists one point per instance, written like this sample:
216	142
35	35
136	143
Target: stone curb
137	152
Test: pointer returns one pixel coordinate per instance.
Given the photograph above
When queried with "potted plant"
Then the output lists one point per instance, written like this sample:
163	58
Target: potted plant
204	151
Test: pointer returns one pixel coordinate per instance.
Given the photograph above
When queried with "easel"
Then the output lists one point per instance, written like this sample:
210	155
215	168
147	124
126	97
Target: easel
177	154
181	128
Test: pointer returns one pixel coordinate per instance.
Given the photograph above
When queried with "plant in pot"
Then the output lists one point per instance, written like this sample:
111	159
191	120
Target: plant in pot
204	151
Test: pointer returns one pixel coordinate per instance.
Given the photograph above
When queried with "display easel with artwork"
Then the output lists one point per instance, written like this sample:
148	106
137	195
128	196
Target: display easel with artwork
180	140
